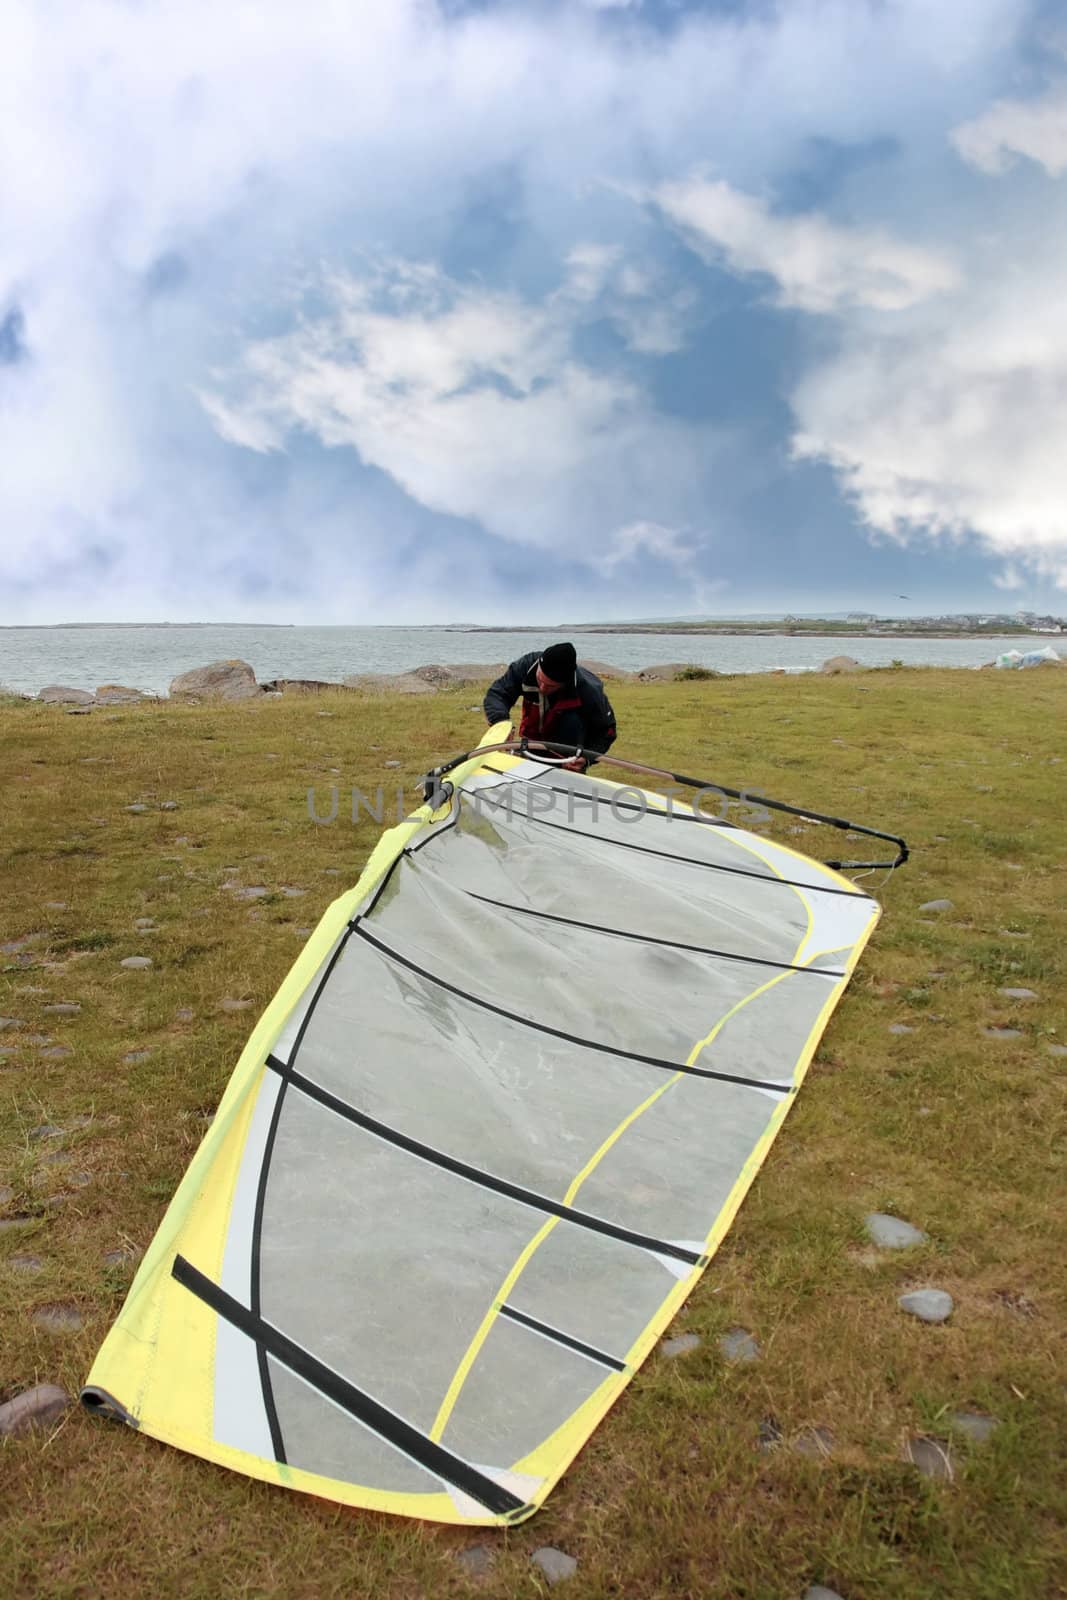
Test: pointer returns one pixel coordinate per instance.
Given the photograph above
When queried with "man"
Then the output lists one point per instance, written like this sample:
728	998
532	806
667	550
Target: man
559	698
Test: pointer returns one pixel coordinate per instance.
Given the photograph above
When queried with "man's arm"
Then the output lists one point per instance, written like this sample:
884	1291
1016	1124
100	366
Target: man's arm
502	695
599	725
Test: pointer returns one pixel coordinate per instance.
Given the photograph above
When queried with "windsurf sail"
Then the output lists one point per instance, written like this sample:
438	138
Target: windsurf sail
483	1142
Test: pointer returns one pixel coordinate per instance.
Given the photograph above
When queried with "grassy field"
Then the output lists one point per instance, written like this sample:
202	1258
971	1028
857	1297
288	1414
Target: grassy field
958	1132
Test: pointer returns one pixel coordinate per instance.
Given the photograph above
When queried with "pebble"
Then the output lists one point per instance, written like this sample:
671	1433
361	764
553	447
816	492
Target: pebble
1011	933
145	925
184	1014
10	1022
931	1456
45	1130
680	1345
136	963
891	1233
36	1038
56	905
137	1055
33	1408
1003	1033
938	905
234	1005
255	893
29	1264
977	1425
137	808
476	1561
817	1442
7	1194
292	894
737	1345
169	805
929	1305
64	1008
58	1319
1056	1049
126	1257
14	947
390	763
900	1027
1018	994
555	1564
819	1591
56	1052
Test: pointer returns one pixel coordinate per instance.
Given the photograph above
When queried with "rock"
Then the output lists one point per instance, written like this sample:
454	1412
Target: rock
33	1408
137	807
46	1130
819	1591
891	1233
680	1345
290	893
1003	1033
58	1319
7	1194
256	892
929	1305
117	694
387	683
390	763
937	905
977	1425
145	925
128	1256
78	711
555	1565
737	1345
56	1052
134	1056
841	664
62	1008
815	1442
168	805
476	1561
136	963
234	1005
58	694
11	1022
219	680
1018	994
669	671
1056	1049
28	1264
300	686
14	947
900	1027
931	1456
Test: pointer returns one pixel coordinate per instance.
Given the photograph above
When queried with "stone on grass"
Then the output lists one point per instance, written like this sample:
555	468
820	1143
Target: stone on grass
33	1408
10	1022
929	1305
45	1130
931	1456
145	925
59	694
290	893
390	763
1003	1033
937	905
56	1052
1056	1049
27	1263
1018	994
184	1014
900	1027
256	892
119	694
128	1256
680	1345
137	806
136	963
7	1194
476	1561
219	680
815	1442
62	1008
234	1005
168	805
819	1591
136	1055
737	1345
555	1564
977	1425
836	664
60	1318
891	1233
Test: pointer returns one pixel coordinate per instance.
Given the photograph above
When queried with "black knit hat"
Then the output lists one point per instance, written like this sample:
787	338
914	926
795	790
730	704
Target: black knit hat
559	662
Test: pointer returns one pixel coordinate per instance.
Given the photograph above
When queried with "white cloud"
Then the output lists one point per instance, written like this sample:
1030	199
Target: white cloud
1035	128
817	264
952	425
474	403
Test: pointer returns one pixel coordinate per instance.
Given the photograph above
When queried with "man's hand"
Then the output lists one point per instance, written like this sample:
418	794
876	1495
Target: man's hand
575	764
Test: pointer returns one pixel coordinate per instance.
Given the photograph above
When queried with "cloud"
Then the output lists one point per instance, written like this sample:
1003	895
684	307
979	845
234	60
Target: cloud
817	264
475	403
1036	129
951	426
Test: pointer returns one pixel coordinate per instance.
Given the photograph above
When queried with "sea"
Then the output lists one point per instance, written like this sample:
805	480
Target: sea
148	657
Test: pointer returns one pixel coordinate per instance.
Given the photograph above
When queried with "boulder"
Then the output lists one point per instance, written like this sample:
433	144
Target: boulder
219	680
841	664
667	672
33	1408
300	686
389	683
58	694
117	694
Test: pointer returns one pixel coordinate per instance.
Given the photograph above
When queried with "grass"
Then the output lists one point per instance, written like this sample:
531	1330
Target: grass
959	1133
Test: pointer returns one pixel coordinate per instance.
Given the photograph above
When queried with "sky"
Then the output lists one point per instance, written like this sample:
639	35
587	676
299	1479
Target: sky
414	311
